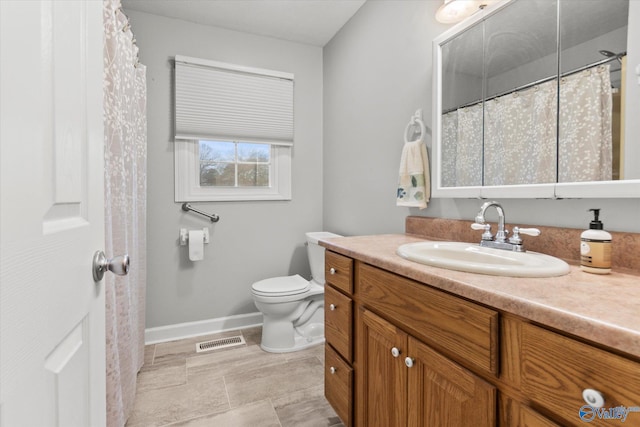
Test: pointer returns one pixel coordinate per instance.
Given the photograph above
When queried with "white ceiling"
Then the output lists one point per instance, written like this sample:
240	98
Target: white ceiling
312	22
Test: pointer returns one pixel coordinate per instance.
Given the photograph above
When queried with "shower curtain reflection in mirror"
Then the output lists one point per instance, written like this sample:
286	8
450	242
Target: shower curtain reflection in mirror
521	143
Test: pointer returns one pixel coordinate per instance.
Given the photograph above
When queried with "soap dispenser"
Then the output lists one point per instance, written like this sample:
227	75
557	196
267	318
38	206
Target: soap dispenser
595	247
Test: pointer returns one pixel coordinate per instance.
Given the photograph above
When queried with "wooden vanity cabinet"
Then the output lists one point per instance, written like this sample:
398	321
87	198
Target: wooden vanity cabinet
402	353
338	319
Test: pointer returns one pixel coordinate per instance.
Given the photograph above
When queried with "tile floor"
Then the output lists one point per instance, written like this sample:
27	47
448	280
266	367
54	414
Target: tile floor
234	387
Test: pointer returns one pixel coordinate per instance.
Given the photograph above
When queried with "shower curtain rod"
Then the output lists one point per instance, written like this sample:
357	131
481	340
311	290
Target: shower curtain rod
538	82
126	28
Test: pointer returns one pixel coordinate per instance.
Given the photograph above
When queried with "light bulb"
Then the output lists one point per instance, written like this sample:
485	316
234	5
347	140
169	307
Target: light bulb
453	11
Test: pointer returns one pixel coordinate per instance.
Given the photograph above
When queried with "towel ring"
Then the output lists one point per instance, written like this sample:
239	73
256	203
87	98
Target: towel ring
415	120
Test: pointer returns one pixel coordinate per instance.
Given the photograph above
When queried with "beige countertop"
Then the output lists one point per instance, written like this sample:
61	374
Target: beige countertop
604	309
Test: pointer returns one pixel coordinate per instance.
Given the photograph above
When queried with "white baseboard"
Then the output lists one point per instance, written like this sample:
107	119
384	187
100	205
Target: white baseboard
202	327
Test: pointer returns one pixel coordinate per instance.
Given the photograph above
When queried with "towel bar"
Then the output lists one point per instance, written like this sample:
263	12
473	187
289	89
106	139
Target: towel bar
187	207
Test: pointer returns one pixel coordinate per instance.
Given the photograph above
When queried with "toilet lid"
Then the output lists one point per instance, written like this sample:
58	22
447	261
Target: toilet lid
279	286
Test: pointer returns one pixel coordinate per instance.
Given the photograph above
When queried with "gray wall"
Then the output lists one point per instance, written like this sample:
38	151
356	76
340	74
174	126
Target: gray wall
253	240
377	72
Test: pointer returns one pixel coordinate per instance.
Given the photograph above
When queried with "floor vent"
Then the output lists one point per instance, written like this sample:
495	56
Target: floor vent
220	343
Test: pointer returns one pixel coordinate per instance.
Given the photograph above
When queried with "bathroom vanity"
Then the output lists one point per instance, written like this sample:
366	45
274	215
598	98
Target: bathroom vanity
410	344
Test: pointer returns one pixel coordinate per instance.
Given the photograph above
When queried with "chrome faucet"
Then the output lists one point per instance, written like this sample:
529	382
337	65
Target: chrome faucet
501	234
500	241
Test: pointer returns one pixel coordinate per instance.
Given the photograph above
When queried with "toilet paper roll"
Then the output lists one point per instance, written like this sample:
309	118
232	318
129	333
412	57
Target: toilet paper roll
196	245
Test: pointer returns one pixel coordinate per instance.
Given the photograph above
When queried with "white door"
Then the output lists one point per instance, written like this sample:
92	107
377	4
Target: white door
52	337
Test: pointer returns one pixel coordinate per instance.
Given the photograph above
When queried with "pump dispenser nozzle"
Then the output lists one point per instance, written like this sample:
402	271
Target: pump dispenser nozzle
595	224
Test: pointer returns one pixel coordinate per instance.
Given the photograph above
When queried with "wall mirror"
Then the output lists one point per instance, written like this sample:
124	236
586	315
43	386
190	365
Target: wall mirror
539	99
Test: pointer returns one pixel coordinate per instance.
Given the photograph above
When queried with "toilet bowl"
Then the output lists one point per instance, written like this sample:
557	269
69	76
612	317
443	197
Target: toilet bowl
292	307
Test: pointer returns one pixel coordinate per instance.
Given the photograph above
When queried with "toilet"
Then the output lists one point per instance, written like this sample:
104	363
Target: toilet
292	307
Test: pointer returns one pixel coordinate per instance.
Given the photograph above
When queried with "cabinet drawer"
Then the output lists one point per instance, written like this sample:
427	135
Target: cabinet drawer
513	413
456	327
338	310
338	271
556	369
338	383
530	418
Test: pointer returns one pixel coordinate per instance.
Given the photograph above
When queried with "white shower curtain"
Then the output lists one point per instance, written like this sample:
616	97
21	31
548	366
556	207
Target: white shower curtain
462	147
449	145
469	148
585	149
520	135
125	209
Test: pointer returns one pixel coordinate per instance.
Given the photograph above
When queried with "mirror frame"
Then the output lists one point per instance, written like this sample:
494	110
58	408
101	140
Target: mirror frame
629	188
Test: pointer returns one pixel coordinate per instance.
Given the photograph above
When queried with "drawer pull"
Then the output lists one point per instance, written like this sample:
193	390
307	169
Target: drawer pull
333	370
409	362
395	352
332	307
332	270
593	398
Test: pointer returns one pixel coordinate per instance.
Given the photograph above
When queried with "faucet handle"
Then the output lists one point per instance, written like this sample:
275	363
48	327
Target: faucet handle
486	228
515	238
528	231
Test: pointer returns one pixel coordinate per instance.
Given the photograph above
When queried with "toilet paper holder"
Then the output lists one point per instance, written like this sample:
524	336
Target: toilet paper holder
184	236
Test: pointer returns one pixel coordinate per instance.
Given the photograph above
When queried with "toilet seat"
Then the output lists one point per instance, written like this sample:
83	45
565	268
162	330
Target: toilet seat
281	286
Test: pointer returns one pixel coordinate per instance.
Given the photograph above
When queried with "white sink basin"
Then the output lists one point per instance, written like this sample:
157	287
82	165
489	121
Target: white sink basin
473	258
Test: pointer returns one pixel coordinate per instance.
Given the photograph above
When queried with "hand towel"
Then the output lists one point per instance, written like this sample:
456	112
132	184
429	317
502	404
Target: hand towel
414	184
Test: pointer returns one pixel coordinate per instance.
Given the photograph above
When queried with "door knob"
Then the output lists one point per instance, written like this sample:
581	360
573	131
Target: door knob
118	265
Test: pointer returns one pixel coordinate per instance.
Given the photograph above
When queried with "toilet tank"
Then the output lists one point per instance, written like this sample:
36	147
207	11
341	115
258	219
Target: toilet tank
315	253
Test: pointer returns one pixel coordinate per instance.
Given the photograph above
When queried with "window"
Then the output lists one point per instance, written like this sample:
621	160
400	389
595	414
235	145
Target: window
234	132
234	164
231	171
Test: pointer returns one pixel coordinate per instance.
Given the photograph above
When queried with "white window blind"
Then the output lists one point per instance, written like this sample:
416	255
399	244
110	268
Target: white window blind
218	101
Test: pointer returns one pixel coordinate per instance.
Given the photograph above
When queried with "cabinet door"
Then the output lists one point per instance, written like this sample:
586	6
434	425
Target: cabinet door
382	376
442	393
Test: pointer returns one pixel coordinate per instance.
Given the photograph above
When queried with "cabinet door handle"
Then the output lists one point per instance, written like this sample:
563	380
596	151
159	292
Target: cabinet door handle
332	370
332	270
395	352
332	307
409	362
593	398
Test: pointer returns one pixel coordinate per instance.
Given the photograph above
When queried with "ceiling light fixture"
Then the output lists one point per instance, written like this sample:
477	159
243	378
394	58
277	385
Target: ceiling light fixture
453	11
